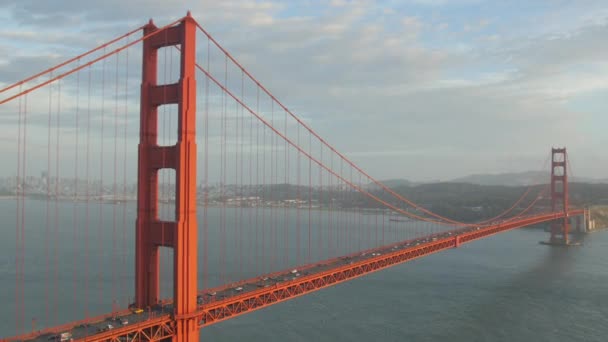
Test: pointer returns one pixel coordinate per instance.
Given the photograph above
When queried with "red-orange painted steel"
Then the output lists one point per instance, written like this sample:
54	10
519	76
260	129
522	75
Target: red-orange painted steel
186	242
559	194
146	252
153	329
181	234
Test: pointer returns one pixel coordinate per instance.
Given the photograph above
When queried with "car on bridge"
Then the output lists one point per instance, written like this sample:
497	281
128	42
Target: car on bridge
65	336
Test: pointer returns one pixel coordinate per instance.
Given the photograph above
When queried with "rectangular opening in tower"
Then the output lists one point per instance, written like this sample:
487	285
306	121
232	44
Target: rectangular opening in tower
166	194
166	272
167	125
558	171
559	187
168	66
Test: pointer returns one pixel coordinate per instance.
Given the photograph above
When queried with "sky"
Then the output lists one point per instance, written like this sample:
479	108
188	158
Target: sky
420	89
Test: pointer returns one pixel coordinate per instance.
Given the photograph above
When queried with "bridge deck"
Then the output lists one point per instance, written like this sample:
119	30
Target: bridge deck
236	299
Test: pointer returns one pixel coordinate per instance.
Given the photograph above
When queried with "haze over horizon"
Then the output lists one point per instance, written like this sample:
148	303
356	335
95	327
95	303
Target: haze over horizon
421	90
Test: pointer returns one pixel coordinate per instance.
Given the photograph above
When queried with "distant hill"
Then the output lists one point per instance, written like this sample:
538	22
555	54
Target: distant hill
394	183
518	179
508	179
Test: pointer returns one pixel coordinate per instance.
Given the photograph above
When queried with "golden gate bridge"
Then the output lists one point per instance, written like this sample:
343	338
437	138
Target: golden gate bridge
291	214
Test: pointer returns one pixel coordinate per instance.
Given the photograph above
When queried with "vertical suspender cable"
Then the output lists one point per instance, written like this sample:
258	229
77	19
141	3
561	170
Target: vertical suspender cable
75	199
383	221
124	178
114	185
321	207
19	191
264	200
340	221
87	199
237	193
351	214
242	182
223	180
298	200
257	184
236	254
309	259
375	224
250	227
48	209
358	218
101	190
206	180
285	246
272	198
330	206
57	180
24	175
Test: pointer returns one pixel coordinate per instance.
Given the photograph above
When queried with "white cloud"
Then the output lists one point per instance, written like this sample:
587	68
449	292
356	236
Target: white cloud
338	3
354	73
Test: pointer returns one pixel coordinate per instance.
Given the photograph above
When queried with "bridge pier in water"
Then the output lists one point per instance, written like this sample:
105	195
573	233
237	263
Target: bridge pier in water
581	222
